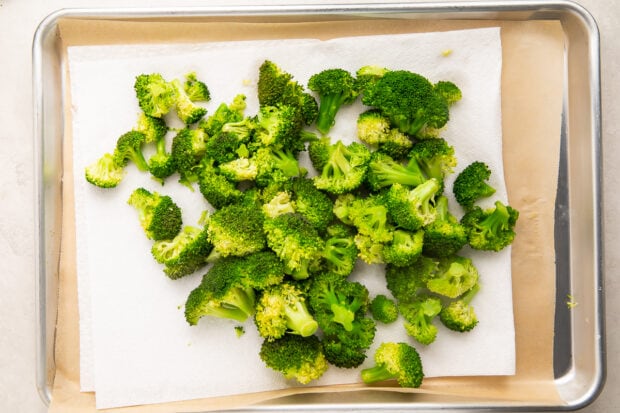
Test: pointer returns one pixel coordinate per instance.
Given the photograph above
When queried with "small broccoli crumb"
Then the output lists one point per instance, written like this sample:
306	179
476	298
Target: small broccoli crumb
239	331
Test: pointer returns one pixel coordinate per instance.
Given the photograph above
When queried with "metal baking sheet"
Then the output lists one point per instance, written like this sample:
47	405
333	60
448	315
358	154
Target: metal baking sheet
579	349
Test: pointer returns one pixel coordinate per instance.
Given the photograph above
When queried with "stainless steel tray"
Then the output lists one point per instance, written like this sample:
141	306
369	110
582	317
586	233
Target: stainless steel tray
579	349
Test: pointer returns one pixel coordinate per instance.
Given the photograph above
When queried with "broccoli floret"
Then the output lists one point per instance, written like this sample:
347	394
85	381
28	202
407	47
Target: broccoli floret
188	148
196	90
404	248
277	88
296	242
154	129
335	87
296	357
368	75
215	188
435	157
340	253
347	349
279	127
184	254
342	207
222	147
159	215
444	236
384	171
419	314
129	148
104	172
369	250
315	206
225	113
471	184
450	92
161	163
408	100
399	361
459	315
490	229
342	168
383	309
375	130
276	166
413	208
370	217
188	111
155	95
239	170
236	229
453	277
282	309
279	204
406	282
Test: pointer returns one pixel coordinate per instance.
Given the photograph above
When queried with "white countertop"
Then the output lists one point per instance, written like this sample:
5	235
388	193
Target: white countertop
18	22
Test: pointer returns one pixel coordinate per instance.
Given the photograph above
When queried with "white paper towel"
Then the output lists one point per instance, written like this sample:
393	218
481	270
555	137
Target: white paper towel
136	347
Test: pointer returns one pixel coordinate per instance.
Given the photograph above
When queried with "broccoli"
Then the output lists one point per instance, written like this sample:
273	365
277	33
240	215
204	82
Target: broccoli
435	157
453	277
347	349
239	170
383	171
342	207
369	250
104	172
471	184
161	163
159	216
276	166
188	111
278	127
279	204
154	129
296	357
459	315
370	217
413	208
450	92
340	253
406	282
444	236
214	187
296	242
196	90
224	113
342	168
399	361
404	248
315	206
155	95
419	314
408	100
188	148
282	309
383	309
490	229
184	254
368	75
223	147
277	88
375	130
236	229
335	87
129	148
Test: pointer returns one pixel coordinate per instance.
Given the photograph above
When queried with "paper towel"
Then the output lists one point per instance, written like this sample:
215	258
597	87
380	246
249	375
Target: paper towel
136	347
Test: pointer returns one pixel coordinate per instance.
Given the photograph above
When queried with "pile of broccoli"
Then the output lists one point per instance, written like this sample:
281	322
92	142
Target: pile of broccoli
279	239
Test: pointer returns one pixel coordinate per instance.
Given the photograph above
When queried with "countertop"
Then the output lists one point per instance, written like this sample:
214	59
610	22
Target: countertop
18	22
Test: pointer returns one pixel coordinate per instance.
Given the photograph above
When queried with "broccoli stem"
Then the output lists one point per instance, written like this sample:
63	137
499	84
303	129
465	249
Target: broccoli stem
138	158
228	312
343	316
242	299
330	104
376	373
497	220
469	295
299	320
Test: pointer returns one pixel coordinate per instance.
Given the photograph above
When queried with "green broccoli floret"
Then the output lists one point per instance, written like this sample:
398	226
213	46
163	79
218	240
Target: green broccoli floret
340	253
159	216
383	309
296	357
104	172
347	349
280	203
490	229
236	229
419	314
375	130
276	166
369	250
444	236
453	277
404	248
368	75
188	111
278	127
239	170
184	254
223	147
282	309
342	207
406	282
161	163
435	157
459	315
129	148
155	95
450	92
296	242
196	90
384	171
471	184
342	168
413	208
223	114
215	188
188	148
335	87
370	217
399	361
154	129
315	206
277	88
408	100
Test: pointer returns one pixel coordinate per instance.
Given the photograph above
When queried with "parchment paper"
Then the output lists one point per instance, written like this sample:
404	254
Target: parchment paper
524	44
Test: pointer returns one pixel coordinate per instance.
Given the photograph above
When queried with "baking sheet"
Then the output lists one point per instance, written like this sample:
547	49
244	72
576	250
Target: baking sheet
534	356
